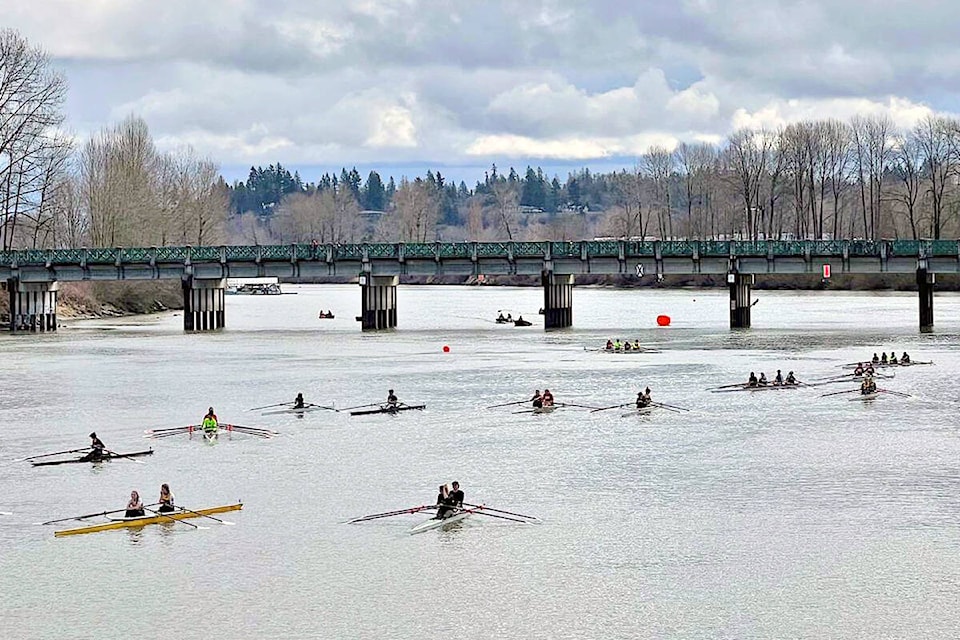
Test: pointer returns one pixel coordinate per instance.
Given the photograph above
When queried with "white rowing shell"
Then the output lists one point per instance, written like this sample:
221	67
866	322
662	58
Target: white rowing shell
433	523
864	397
645	411
291	410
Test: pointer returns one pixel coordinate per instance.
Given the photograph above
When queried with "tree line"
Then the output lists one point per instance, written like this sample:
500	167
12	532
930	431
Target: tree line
815	179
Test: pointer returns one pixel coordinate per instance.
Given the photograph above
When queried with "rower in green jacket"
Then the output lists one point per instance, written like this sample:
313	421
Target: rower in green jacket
210	423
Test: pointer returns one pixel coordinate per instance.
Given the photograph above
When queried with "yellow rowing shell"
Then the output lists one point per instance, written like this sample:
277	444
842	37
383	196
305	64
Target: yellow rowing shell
141	522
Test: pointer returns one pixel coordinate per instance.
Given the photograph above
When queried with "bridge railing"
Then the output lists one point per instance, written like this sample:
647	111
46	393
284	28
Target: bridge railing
617	249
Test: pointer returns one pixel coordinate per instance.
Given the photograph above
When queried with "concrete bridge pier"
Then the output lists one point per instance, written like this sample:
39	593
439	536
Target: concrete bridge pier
739	299
925	285
557	300
379	302
33	305
203	303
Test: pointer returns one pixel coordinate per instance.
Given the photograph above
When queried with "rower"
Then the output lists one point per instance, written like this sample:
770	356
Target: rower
644	399
627	346
609	346
96	449
298	403
210	423
391	398
883	358
617	345
875	360
778	380
752	382
904	359
134	506
791	379
500	317
868	386
859	370
868	370
442	502
893	358
509	318
547	402
763	379
537	399
166	499
636	345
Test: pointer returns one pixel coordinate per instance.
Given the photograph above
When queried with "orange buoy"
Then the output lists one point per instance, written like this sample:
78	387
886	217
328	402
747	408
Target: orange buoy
663	321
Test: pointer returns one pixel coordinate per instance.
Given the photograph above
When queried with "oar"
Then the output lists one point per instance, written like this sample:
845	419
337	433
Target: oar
508	404
837	393
738	387
483	512
203	515
524	411
669	406
168	434
568	404
511	513
169	429
895	393
270	406
6	513
616	406
728	386
47	455
120	455
89	515
362	406
164	515
387	514
246	428
320	406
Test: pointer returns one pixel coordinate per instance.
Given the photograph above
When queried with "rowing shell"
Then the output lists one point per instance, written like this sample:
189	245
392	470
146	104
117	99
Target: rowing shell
300	411
624	352
142	522
434	523
550	408
105	457
863	397
640	411
388	409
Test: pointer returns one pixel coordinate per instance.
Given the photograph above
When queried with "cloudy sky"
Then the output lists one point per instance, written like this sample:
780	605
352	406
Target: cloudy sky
459	84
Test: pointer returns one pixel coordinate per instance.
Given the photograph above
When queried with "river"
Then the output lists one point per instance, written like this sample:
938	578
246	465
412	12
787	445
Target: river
754	515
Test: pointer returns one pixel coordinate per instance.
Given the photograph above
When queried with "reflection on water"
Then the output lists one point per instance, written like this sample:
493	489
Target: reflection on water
752	515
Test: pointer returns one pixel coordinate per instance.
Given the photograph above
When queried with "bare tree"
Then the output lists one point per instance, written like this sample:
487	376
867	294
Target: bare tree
933	136
504	206
31	99
658	165
748	155
872	138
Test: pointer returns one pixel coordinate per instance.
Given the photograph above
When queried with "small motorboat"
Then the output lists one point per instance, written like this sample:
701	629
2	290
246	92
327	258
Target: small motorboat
520	322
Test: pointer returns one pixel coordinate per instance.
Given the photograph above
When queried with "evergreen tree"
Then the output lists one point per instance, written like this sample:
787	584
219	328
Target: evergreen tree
534	192
374	194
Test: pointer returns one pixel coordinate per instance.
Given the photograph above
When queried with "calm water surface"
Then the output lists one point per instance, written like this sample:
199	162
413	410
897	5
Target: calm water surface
763	515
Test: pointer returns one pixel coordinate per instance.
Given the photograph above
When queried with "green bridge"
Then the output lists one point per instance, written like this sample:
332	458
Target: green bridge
32	276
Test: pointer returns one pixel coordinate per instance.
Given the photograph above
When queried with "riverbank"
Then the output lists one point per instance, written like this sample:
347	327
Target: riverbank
87	300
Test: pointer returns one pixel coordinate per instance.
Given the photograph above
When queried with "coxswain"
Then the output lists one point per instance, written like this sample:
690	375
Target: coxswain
752	382
763	379
96	449
883	358
791	379
134	506
537	399
859	370
778	380
547	398
609	346
391	398
442	507
875	360
166	499
904	359
298	403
